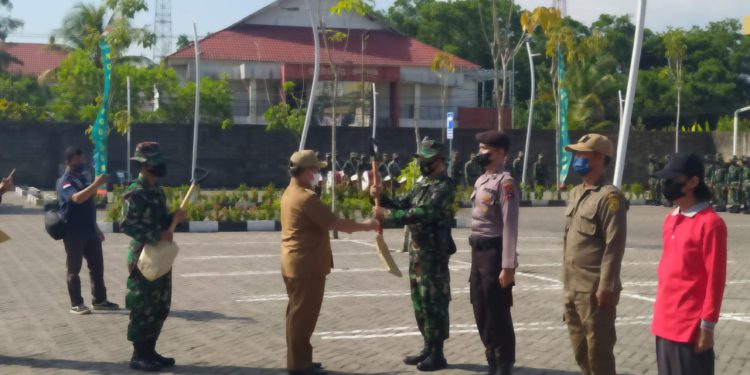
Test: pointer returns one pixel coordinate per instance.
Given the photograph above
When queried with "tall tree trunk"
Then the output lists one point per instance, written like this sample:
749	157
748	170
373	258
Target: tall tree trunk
501	102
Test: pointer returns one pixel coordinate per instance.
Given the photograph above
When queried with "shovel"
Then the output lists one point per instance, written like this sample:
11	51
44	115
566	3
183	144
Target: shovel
157	260
383	252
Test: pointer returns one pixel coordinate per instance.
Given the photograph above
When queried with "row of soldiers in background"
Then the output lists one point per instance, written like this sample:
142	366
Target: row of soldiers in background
356	167
729	182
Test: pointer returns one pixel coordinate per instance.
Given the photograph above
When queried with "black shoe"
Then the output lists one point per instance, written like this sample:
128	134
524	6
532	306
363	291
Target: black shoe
505	369
165	362
145	364
317	365
106	305
491	364
311	371
413	360
435	361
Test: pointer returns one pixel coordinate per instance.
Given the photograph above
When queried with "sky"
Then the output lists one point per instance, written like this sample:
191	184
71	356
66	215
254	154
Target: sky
42	17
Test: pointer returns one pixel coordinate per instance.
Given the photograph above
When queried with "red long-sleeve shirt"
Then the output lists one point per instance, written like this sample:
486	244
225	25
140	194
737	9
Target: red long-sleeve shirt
692	273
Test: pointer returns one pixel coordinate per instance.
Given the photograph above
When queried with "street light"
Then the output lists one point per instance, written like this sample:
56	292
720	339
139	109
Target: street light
736	126
531	112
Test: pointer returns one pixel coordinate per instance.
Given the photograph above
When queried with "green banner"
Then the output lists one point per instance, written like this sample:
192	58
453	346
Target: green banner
565	157
100	129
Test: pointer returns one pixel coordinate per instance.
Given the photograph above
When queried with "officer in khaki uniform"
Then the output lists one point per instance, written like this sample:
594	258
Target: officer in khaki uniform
594	244
306	257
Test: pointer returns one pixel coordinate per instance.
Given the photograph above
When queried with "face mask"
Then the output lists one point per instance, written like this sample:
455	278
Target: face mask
581	166
483	159
673	190
316	179
425	167
78	168
159	170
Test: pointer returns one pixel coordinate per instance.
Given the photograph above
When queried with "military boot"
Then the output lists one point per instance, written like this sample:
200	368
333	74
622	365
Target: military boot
504	366
163	361
414	360
491	364
142	360
436	360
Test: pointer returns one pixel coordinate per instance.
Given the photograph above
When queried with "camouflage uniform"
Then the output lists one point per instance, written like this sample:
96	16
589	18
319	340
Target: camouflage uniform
708	171
472	171
540	172
394	168
427	210
720	187
517	170
746	183
734	185
653	181
349	168
145	217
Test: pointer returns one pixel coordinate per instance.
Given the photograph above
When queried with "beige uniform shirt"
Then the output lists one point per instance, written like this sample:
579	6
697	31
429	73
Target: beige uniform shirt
594	241
495	202
305	245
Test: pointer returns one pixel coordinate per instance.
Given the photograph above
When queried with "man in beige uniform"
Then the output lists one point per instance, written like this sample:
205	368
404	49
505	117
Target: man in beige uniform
306	257
595	234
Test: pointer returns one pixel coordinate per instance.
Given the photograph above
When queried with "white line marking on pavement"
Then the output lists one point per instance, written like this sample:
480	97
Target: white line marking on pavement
380	293
543	278
278	272
251	256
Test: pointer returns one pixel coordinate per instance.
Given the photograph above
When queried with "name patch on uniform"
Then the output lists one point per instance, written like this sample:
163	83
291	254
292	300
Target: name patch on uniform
66	185
614	202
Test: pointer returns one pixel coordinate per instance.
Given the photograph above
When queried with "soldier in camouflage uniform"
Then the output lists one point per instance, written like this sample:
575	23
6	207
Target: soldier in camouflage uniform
427	210
734	184
517	169
746	183
720	185
540	172
349	168
708	171
653	181
146	221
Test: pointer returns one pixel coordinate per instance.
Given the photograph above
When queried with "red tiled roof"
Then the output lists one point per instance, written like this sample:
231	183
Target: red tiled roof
288	44
36	58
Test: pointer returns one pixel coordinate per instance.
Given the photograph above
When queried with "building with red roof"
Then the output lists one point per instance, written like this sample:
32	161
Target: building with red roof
276	45
35	58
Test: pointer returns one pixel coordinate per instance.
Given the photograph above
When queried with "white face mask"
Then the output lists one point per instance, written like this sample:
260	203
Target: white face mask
316	179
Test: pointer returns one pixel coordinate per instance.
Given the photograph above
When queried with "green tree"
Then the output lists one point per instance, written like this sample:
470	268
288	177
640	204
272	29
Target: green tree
287	117
676	49
183	41
216	103
7	26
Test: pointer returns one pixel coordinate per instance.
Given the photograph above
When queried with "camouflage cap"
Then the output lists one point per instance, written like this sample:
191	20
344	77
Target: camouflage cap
148	153
430	148
353	155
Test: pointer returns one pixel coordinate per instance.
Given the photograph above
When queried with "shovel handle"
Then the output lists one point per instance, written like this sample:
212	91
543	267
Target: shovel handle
173	225
376	182
11	173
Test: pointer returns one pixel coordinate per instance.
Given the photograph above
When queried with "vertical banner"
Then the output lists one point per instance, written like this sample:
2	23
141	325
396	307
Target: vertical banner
565	157
99	129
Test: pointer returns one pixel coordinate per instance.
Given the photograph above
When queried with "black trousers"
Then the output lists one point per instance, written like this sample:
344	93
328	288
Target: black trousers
676	358
89	247
492	303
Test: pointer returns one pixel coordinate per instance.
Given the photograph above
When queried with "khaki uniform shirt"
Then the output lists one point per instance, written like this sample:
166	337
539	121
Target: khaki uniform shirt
305	245
494	212
594	241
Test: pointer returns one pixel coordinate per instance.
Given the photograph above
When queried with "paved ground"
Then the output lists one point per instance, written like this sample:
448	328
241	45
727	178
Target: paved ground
229	303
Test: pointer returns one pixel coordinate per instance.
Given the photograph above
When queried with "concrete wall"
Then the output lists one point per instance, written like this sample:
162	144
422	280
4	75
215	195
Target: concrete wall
249	154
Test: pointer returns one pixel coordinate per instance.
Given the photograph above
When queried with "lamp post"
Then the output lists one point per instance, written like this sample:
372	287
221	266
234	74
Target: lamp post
736	127
531	112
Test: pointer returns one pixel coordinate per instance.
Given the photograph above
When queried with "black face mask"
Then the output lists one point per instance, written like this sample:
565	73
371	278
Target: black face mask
426	167
159	170
673	190
483	160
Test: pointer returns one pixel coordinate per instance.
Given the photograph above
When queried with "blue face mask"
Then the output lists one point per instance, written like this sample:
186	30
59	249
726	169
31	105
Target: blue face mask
581	166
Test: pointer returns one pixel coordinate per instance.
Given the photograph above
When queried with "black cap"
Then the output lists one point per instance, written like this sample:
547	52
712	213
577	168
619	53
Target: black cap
494	138
687	164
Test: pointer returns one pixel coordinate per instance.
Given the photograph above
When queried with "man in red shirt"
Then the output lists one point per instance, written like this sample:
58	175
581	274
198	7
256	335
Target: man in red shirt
691	273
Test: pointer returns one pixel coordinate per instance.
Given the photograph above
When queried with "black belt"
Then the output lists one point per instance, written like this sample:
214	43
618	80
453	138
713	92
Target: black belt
485	243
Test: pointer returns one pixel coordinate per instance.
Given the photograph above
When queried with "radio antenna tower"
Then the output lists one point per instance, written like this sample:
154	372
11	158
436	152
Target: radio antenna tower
162	29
